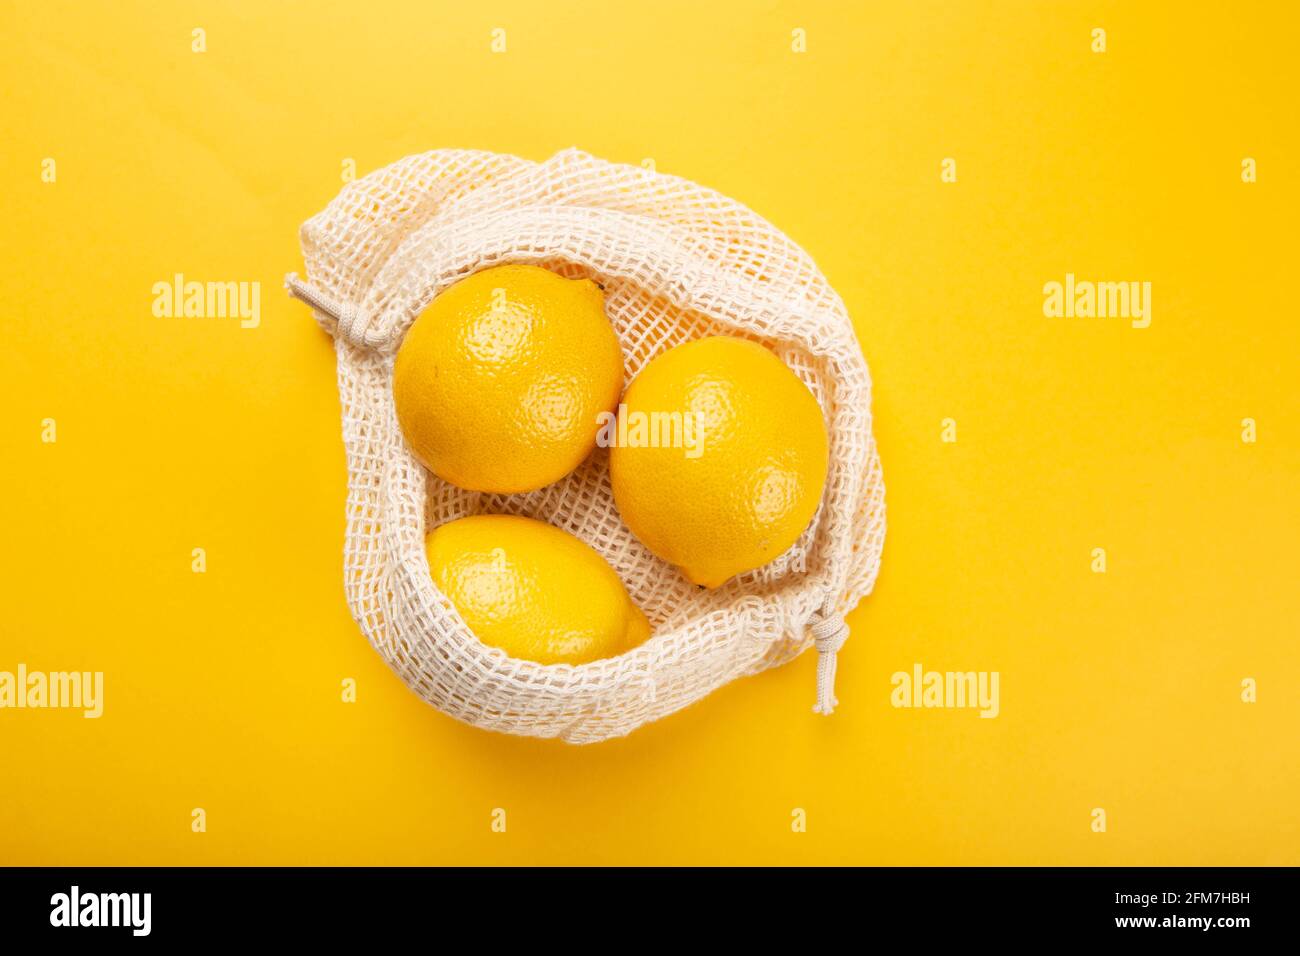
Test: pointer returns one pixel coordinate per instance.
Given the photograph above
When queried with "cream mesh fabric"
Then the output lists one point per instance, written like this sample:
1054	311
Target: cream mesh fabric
678	262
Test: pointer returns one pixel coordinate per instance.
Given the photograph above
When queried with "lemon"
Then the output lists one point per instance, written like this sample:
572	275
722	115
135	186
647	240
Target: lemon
498	384
534	591
746	473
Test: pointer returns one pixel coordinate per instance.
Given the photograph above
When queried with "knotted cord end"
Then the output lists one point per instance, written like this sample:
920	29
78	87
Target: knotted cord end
348	321
829	634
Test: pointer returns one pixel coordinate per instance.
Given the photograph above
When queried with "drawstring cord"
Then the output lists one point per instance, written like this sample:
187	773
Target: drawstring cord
348	322
829	634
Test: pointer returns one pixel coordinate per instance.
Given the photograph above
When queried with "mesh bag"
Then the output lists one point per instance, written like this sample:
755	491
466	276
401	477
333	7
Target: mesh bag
678	262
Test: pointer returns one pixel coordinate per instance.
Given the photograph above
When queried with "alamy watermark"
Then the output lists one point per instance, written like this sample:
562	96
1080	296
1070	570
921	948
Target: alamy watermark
75	908
72	690
1086	299
977	690
190	299
638	429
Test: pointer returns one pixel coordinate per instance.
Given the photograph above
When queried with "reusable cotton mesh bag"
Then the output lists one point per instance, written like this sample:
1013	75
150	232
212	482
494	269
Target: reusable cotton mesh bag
677	262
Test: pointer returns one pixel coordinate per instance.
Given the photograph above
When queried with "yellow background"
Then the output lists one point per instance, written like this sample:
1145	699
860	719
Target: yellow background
1118	690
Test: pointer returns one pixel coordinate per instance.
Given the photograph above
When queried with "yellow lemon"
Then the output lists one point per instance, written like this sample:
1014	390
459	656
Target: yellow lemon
498	384
720	457
534	591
